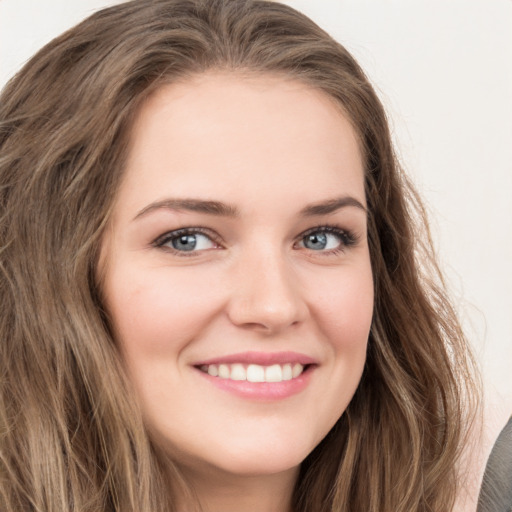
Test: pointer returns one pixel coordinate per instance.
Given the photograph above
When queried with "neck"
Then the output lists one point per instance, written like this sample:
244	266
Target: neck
220	492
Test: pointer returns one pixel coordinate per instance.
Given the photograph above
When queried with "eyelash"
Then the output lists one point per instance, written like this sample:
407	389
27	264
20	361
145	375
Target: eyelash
347	238
166	238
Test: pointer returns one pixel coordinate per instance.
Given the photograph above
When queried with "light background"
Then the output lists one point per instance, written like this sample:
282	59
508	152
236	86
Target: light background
444	71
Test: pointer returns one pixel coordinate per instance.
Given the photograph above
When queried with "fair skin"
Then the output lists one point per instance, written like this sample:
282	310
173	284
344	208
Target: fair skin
245	333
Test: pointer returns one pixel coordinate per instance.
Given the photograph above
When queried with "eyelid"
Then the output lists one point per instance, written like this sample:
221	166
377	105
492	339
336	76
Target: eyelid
166	237
347	237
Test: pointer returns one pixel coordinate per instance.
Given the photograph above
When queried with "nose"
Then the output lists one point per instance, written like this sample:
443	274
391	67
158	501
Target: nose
266	295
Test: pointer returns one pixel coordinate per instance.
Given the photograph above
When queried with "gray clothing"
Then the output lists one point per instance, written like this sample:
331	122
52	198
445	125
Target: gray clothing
496	491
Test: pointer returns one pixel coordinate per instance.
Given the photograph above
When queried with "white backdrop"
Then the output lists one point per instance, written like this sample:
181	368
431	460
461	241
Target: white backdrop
444	71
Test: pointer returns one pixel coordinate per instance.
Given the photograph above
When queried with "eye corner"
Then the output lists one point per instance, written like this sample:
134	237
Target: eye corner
199	240
320	236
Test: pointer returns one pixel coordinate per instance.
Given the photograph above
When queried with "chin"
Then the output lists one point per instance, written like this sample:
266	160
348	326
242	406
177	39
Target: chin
242	459
263	458
264	465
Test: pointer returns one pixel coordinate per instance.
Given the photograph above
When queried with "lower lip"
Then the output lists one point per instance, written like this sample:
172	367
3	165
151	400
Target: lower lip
262	391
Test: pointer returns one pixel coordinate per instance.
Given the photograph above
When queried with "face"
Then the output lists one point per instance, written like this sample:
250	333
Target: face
237	271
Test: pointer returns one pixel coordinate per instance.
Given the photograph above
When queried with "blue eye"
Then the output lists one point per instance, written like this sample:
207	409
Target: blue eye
186	240
326	239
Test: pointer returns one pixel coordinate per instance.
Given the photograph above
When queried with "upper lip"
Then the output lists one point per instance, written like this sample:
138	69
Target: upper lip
260	358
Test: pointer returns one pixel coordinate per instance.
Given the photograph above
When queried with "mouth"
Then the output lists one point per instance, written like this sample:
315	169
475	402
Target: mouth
259	376
255	372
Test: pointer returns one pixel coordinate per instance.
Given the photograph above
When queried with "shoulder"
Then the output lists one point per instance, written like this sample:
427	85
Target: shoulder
496	490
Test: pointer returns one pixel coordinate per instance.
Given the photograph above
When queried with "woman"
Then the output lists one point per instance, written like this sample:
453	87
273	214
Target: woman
218	288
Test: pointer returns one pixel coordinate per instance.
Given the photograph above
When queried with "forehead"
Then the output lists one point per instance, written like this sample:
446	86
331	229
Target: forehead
238	129
190	101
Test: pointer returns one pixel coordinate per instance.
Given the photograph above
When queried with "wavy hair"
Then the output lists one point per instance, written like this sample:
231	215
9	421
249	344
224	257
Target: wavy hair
71	437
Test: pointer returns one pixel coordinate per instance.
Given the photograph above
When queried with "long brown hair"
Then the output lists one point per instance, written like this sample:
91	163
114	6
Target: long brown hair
70	437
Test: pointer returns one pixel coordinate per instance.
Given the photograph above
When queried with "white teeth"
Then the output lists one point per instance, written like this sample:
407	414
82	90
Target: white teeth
297	370
238	372
254	372
213	370
273	373
224	371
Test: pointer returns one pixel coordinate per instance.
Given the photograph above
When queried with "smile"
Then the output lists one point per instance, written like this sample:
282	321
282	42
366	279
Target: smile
254	372
259	376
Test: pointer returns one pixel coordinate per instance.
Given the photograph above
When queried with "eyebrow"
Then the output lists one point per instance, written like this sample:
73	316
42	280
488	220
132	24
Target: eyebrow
194	205
220	209
331	206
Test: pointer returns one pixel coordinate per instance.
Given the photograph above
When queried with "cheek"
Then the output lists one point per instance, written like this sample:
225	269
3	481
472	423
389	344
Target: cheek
343	313
344	310
157	314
